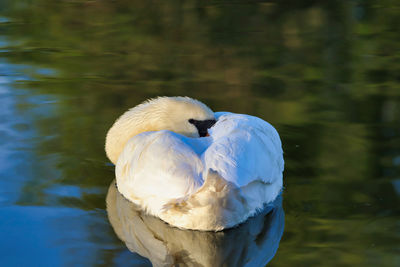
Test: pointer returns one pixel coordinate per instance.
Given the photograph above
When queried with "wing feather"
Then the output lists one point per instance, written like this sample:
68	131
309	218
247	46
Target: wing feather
156	167
245	149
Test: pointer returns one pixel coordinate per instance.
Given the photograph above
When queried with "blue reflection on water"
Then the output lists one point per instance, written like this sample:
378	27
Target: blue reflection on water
50	232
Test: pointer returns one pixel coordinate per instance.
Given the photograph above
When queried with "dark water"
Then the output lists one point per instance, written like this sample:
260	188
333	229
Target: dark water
326	74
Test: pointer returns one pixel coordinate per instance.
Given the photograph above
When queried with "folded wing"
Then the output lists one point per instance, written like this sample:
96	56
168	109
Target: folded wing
156	167
244	149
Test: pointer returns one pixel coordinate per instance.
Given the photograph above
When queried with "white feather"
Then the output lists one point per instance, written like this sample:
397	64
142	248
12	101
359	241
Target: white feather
208	183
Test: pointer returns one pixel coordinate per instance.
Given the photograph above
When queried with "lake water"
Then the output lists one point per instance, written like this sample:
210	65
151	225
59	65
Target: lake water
326	74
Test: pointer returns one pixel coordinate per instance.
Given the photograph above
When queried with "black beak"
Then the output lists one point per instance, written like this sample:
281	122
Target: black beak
202	126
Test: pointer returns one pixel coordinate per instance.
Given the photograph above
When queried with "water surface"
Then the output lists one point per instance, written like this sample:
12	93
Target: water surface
326	74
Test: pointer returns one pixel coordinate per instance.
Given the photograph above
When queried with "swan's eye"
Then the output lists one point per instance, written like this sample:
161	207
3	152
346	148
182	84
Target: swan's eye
191	121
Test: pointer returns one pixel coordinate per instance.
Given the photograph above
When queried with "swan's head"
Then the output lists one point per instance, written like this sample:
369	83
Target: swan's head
181	115
185	116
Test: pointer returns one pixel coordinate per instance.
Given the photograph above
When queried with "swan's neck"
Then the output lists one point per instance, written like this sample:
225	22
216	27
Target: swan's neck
131	123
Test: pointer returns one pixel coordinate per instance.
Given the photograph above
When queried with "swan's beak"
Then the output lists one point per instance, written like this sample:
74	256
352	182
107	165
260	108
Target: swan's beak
207	134
203	126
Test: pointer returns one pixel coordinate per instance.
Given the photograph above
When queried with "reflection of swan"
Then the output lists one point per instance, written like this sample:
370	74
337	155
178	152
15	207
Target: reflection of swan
208	183
253	243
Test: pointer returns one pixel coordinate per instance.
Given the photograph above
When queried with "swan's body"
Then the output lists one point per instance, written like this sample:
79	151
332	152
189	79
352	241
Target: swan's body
208	183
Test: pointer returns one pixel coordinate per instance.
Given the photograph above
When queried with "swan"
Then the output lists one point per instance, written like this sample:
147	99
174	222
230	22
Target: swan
253	243
193	168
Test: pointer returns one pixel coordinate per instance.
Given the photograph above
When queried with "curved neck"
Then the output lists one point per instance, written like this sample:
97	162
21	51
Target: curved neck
131	123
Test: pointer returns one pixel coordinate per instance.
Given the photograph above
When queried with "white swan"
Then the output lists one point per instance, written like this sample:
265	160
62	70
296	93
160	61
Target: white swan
208	183
253	243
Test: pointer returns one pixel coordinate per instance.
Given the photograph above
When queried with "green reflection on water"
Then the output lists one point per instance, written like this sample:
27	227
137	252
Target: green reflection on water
325	73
